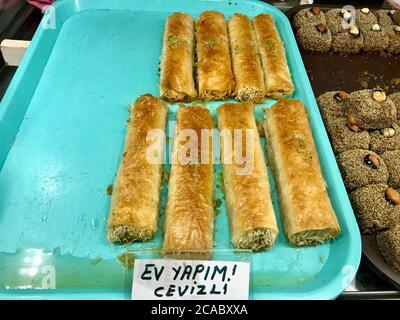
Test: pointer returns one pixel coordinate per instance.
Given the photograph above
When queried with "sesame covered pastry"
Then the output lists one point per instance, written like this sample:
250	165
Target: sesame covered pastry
332	104
136	193
365	17
335	19
310	16
360	168
307	214
351	41
384	17
278	82
189	212
374	208
176	75
375	38
371	109
392	161
393	33
345	136
395	97
389	246
246	64
252	218
386	139
214	71
315	38
396	17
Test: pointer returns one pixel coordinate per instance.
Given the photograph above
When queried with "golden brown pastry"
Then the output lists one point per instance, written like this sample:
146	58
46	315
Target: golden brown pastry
278	83
246	65
214	71
247	192
189	216
307	213
136	192
176	77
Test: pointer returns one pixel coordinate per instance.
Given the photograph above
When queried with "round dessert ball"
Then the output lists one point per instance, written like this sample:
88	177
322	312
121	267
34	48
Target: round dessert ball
350	41
392	161
365	17
395	97
386	139
384	17
371	109
375	211
393	33
310	16
375	38
315	38
360	168
396	17
335	19
345	137
332	103
389	246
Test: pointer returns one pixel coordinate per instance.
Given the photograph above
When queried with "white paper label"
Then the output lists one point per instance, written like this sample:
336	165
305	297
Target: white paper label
190	280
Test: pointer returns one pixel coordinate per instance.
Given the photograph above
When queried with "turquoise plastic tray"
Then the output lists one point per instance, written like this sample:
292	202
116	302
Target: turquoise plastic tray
62	127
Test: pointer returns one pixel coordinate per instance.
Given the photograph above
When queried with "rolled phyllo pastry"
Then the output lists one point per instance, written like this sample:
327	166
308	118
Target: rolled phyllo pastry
249	77
176	75
136	192
189	215
306	210
214	68
247	192
278	83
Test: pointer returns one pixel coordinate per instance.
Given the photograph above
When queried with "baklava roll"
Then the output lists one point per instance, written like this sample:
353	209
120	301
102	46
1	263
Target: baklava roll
247	191
307	213
214	68
278	83
176	75
249	76
189	215
136	192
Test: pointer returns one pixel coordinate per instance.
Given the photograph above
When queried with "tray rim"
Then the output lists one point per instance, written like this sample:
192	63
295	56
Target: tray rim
332	288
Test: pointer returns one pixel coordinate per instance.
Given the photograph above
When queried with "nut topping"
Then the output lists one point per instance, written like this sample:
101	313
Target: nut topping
352	123
341	96
392	12
365	10
376	27
379	95
315	10
322	28
392	196
388	132
354	31
397	29
346	15
372	161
